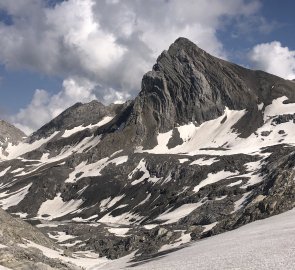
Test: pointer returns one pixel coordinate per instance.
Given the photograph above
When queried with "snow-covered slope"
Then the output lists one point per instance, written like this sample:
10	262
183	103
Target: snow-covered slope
220	136
206	147
265	244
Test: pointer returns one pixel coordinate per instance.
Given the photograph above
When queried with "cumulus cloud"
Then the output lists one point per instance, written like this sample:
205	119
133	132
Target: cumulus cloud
274	58
44	106
109	43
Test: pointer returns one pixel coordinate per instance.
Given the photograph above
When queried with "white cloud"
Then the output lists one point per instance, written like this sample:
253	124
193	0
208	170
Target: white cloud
44	106
64	40
274	58
108	43
111	42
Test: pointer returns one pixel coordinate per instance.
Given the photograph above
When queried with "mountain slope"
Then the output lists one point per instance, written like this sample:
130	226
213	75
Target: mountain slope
265	244
16	236
9	134
206	147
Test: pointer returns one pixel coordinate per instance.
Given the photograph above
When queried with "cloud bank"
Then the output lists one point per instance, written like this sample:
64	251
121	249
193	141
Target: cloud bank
274	58
104	46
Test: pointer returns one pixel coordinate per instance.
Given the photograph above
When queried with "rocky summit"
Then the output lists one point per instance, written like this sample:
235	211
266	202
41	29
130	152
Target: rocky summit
206	147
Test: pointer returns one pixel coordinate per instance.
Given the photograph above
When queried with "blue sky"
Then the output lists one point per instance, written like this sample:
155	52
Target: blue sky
55	53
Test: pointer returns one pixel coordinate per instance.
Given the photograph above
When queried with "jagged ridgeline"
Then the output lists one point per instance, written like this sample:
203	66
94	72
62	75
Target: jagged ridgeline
205	147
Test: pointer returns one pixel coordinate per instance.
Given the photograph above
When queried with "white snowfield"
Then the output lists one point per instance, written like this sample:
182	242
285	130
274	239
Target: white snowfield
10	199
266	244
85	259
94	169
219	133
15	151
141	167
213	178
178	213
57	207
69	132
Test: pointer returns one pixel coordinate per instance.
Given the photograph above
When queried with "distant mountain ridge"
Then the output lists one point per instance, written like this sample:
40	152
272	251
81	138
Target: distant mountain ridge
205	147
9	134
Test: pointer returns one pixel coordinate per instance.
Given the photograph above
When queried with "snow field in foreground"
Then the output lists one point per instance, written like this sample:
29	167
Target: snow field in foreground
265	244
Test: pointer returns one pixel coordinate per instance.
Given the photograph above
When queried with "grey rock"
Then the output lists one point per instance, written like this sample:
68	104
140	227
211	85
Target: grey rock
9	134
186	85
14	234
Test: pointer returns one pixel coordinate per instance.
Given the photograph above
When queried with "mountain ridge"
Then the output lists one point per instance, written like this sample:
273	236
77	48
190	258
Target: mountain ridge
9	134
205	147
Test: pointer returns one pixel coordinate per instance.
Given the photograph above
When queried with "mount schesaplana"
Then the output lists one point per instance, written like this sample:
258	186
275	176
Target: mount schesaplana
205	147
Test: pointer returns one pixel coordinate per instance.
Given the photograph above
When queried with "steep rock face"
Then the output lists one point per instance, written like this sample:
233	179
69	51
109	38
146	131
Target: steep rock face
189	85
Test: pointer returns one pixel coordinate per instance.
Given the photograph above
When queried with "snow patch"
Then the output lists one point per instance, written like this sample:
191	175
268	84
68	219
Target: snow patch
263	244
57	207
209	227
93	169
61	236
277	107
179	213
150	226
204	162
69	132
21	215
119	231
2	173
214	133
86	259
235	183
15	151
260	106
213	178
123	219
182	160
14	198
145	200
141	167
220	198
239	203
183	239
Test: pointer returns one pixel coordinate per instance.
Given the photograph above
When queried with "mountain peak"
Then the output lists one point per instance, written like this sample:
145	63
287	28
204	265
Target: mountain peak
203	135
188	85
10	133
182	49
183	42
